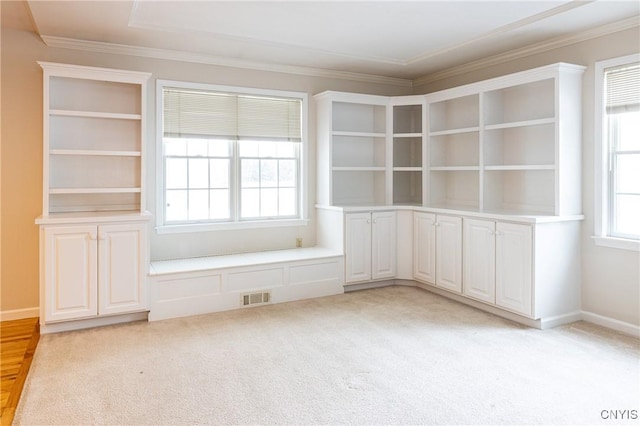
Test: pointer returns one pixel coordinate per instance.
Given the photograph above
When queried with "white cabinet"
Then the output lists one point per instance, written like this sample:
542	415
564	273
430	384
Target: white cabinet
370	246
92	270
498	264
514	267
438	250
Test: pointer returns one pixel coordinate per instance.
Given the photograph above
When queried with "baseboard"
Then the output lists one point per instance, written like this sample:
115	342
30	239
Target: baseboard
614	324
16	314
558	320
368	285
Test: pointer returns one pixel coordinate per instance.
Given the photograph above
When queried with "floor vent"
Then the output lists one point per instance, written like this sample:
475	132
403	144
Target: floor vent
256	298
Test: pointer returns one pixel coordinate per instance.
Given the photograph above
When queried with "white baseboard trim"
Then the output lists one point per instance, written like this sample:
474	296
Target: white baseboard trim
614	324
16	314
558	320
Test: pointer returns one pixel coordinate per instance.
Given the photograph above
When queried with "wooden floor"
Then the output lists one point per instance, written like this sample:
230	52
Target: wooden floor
18	341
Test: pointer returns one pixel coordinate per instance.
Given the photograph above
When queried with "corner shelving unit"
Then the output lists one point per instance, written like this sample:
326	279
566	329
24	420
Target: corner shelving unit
407	116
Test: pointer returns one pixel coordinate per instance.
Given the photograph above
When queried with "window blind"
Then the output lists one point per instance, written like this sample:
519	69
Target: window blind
623	89
190	112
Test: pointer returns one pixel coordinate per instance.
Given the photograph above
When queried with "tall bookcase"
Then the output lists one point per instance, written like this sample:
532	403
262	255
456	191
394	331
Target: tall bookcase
93	228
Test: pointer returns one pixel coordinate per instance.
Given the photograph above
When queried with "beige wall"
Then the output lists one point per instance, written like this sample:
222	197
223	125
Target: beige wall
22	150
610	277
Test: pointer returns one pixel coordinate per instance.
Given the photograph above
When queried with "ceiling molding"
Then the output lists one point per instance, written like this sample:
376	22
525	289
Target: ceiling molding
505	28
201	58
533	49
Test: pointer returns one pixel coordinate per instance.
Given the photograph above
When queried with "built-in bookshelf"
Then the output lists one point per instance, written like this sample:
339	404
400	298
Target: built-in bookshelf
93	139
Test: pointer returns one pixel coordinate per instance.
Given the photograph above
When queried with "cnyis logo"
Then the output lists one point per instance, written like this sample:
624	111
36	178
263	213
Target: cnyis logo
619	414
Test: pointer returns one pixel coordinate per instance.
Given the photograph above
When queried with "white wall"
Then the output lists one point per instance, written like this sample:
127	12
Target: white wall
610	277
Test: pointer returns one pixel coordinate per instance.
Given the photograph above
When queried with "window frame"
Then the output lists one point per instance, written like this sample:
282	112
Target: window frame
302	218
602	176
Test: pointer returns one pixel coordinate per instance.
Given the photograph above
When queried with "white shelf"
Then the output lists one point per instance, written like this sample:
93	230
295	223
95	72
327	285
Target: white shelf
454	168
359	169
407	169
522	167
89	152
93	114
407	135
524	123
455	131
94	190
360	134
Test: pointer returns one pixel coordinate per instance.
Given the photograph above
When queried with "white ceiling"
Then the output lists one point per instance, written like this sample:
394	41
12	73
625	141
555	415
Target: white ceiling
398	39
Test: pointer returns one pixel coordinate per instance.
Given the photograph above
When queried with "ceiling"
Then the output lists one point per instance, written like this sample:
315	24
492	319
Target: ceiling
391	39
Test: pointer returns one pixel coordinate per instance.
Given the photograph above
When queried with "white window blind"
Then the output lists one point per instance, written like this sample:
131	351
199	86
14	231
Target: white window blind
623	89
189	112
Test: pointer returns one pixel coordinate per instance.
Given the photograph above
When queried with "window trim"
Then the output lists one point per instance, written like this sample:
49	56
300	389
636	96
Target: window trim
303	216
601	154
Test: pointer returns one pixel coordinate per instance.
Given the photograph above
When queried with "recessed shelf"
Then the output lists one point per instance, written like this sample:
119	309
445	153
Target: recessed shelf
407	169
407	135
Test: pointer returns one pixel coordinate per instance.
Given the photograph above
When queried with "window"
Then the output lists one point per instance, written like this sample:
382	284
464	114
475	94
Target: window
230	156
618	152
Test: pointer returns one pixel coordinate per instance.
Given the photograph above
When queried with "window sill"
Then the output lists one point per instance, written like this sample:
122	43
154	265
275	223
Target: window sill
207	227
619	243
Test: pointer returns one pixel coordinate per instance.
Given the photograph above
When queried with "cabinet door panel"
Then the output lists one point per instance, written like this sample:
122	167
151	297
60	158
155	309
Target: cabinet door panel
70	265
514	267
479	274
449	253
424	246
122	268
357	247
383	245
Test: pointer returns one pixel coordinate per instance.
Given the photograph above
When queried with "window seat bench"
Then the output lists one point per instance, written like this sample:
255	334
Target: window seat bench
194	286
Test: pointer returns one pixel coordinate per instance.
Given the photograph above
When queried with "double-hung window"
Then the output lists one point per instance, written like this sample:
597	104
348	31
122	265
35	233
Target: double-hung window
230	156
618	152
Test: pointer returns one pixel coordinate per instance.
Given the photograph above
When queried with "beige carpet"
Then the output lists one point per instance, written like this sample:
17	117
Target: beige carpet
395	355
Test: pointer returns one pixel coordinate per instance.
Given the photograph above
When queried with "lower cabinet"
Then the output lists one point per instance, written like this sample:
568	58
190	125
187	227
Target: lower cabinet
498	264
370	246
438	250
93	270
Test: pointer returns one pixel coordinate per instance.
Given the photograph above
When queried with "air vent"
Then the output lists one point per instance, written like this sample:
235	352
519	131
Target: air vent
256	298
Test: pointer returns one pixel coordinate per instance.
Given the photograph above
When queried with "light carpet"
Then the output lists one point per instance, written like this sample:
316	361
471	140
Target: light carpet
394	355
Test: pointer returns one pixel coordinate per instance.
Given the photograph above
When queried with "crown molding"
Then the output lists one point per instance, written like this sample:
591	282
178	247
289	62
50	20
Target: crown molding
532	49
202	58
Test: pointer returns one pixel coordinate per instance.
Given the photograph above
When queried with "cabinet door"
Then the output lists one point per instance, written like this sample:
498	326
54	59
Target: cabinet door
357	247
424	247
122	270
449	253
479	273
514	267
383	245
70	272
